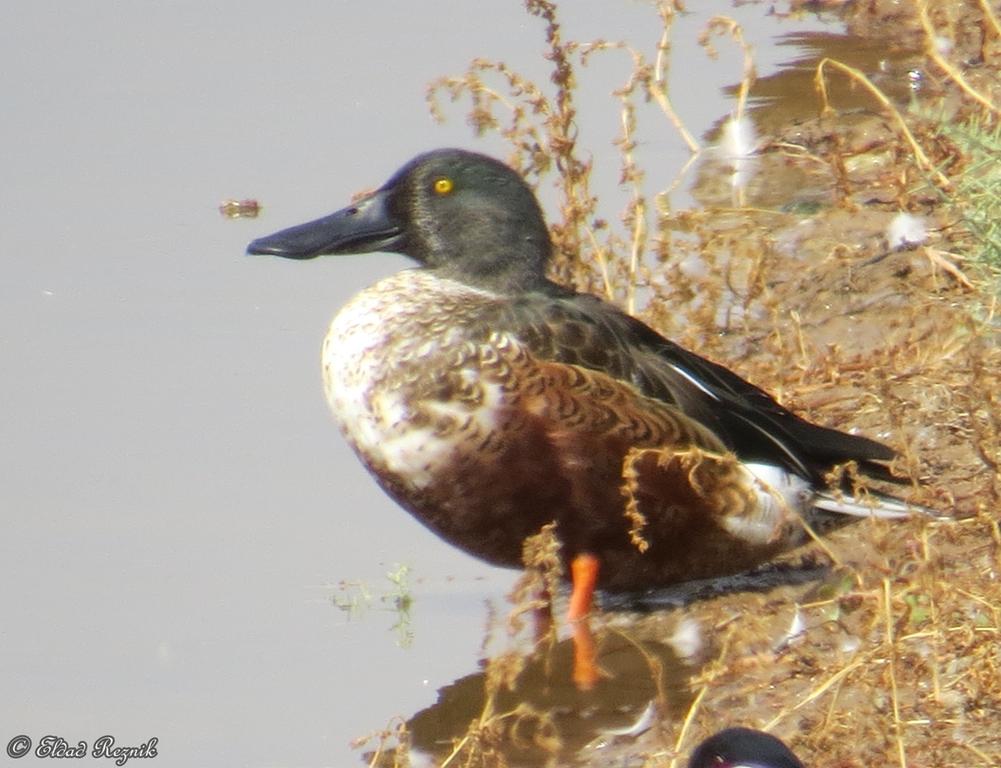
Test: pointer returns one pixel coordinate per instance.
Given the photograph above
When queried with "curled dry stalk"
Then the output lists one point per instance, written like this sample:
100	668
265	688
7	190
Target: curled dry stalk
724	25
950	69
642	79
820	82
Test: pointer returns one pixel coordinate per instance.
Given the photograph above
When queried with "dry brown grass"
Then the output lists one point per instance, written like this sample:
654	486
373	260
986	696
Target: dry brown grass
900	663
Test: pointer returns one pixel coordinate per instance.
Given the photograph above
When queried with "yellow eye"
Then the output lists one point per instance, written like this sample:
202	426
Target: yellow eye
443	185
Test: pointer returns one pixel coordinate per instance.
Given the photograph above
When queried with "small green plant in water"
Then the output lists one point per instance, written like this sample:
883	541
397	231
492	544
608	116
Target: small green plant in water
355	598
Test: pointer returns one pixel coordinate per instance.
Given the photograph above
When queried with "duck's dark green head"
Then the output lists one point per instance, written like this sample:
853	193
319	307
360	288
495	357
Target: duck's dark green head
465	215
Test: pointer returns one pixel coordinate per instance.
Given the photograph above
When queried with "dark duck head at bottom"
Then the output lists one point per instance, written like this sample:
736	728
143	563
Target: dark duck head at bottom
489	401
743	748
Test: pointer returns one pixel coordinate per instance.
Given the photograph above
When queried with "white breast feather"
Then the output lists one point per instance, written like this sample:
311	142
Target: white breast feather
366	339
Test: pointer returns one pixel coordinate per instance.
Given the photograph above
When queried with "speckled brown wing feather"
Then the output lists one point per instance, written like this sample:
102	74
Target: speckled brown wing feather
582	330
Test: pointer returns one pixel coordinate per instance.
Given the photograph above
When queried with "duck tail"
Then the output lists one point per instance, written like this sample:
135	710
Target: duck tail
871	505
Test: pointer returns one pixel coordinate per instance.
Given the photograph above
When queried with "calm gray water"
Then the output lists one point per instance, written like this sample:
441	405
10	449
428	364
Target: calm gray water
176	501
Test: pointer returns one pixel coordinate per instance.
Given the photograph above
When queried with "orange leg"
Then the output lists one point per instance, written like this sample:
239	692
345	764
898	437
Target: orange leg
583	576
585	656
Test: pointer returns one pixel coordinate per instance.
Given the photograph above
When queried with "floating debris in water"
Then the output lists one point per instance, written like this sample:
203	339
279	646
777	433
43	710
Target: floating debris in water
906	230
739	145
632	731
797	628
686	639
739	138
240	209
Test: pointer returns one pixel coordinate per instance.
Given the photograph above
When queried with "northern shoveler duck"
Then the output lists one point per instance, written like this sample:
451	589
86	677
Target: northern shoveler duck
489	401
743	748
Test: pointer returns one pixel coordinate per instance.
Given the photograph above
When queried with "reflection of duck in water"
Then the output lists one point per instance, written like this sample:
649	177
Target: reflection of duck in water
488	400
646	682
544	717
